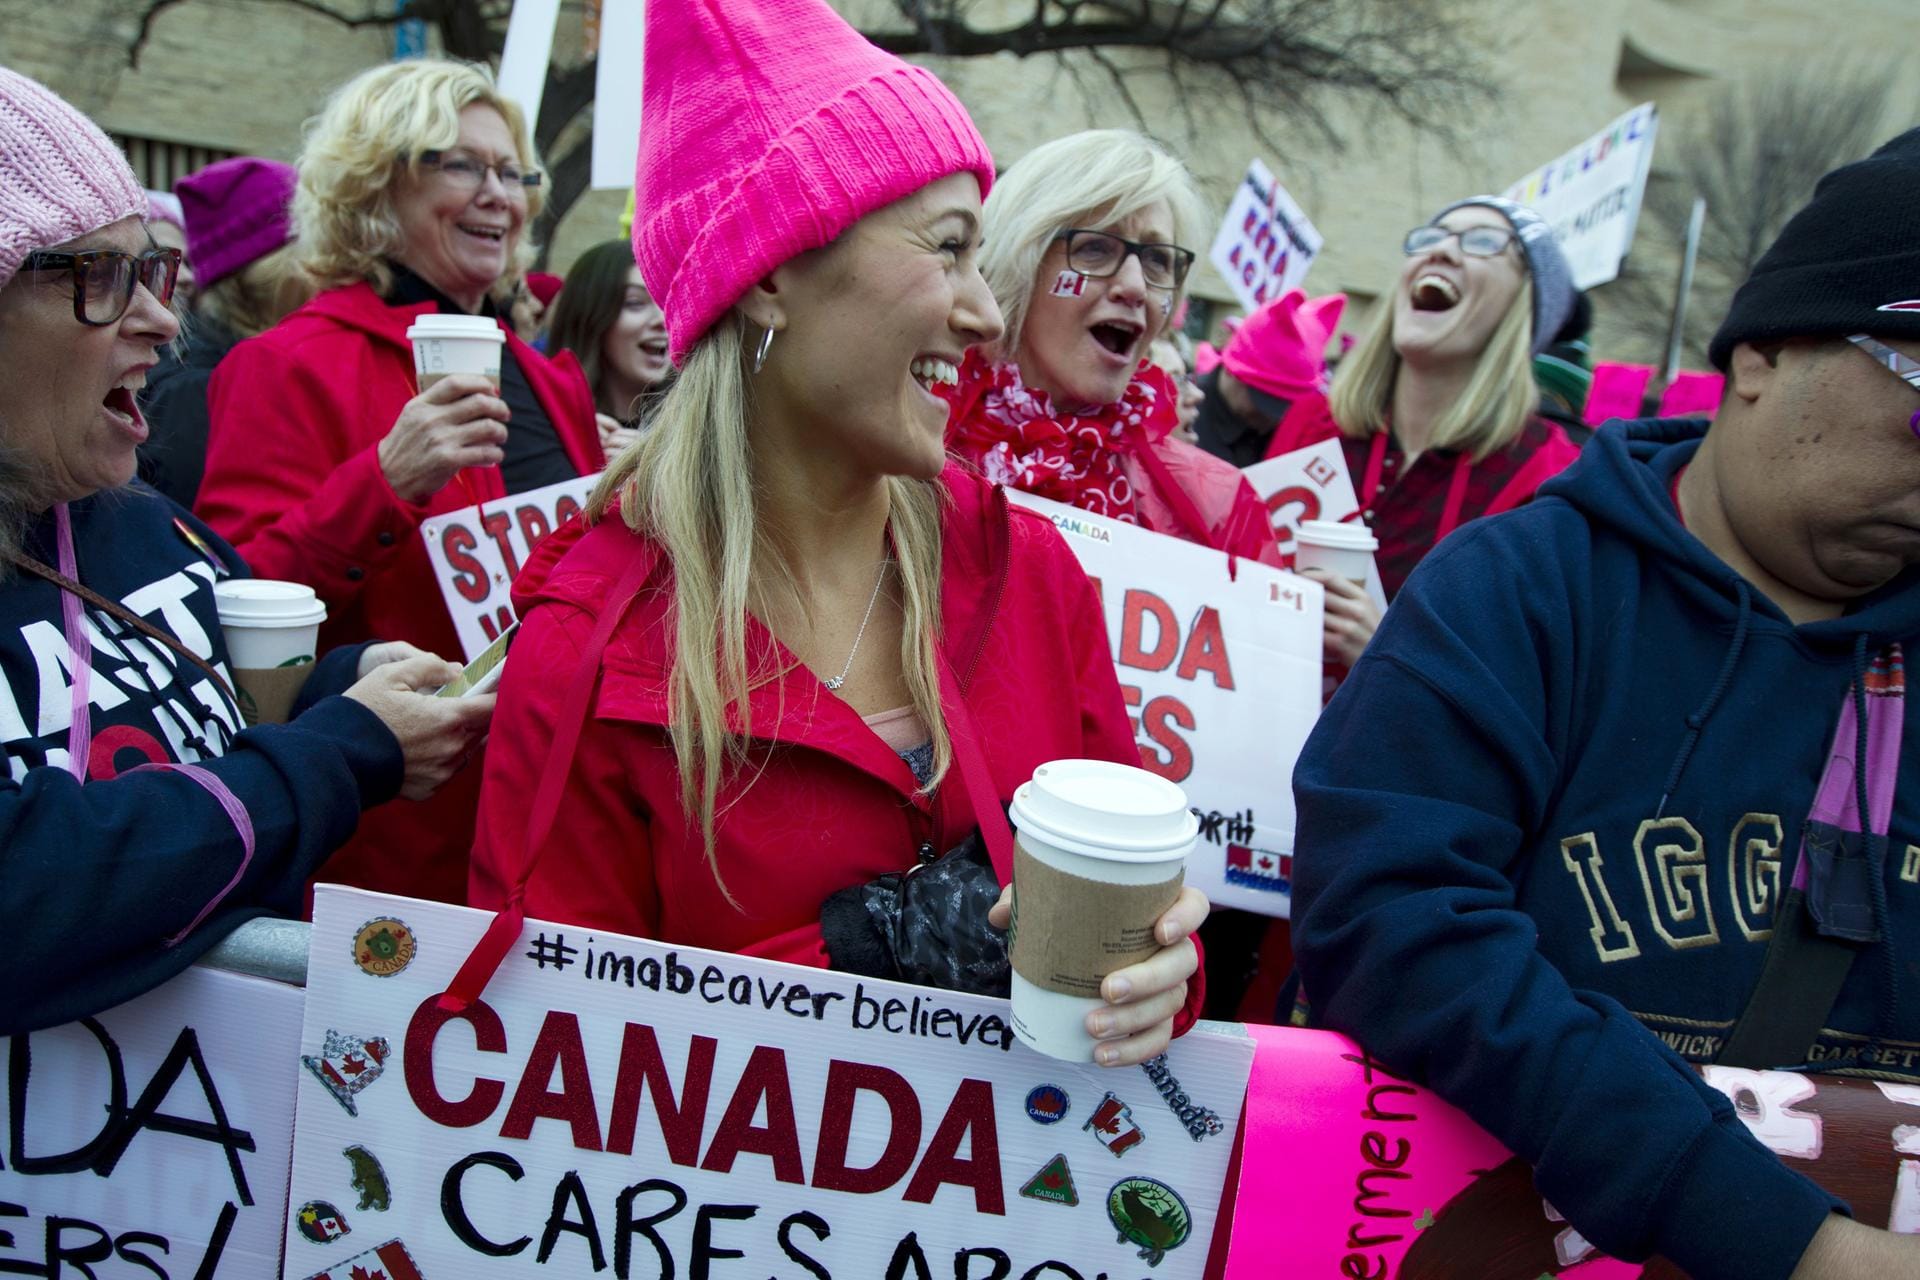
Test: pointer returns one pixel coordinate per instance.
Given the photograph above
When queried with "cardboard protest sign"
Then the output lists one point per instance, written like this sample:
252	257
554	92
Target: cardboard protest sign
1266	242
1221	672
1591	195
1356	1172
153	1139
477	551
612	1103
1309	484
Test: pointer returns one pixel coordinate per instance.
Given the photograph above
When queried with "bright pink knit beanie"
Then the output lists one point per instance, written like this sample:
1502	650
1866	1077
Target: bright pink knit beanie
60	177
1281	349
768	127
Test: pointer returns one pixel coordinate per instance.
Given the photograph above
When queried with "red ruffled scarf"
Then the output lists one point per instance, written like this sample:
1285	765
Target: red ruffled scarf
1013	436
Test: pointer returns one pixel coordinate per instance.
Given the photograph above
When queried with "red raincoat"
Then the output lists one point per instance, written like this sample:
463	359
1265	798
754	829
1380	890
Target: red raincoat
294	482
823	803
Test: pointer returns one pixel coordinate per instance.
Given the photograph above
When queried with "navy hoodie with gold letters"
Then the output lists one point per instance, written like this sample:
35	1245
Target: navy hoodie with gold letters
1542	832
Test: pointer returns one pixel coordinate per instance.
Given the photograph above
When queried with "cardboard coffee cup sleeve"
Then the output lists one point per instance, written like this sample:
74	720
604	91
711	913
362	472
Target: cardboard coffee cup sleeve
267	695
1070	932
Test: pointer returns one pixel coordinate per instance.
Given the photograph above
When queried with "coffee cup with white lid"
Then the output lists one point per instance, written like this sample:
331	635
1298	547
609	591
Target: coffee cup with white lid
272	631
1100	853
444	345
1342	548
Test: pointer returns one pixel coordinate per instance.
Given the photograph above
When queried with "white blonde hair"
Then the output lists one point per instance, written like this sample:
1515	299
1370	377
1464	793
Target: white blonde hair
1493	409
372	129
1092	179
689	485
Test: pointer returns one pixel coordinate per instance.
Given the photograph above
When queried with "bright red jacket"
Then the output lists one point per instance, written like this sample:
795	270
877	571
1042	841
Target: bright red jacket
294	482
823	803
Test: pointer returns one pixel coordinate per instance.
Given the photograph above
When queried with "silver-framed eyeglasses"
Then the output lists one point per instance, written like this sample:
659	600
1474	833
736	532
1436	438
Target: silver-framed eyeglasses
1099	254
1901	366
1477	242
465	170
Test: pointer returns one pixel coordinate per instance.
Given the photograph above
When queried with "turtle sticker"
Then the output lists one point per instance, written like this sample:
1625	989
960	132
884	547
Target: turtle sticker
1054	1183
320	1222
1151	1214
369	1179
383	947
1047	1104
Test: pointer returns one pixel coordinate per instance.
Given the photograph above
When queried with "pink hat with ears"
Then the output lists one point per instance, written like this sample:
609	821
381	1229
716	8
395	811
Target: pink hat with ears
768	128
60	177
1282	347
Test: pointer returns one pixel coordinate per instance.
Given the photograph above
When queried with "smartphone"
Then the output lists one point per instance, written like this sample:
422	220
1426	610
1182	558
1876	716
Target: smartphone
483	673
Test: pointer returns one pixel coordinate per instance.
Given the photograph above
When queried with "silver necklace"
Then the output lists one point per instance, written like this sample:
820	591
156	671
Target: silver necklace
835	683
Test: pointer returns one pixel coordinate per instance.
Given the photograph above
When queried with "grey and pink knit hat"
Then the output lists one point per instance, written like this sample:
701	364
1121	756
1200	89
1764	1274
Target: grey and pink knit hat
60	177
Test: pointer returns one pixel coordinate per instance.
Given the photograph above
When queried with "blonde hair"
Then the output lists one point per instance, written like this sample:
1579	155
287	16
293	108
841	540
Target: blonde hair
373	127
688	485
1094	178
259	295
1493	409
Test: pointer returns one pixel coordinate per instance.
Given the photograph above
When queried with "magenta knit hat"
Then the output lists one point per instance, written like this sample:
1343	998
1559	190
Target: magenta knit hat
59	175
768	128
1281	349
237	210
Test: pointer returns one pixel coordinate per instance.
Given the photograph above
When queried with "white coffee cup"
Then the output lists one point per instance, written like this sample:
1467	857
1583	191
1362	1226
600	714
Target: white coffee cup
450	344
1343	549
272	631
1100	854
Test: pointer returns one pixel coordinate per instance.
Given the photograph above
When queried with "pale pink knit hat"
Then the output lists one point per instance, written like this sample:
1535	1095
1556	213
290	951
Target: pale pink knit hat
768	127
59	175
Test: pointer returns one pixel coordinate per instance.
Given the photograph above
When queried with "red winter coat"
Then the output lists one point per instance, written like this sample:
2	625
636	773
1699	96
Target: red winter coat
823	803
294	482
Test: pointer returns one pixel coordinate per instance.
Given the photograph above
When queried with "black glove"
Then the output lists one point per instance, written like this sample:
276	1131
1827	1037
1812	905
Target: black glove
926	926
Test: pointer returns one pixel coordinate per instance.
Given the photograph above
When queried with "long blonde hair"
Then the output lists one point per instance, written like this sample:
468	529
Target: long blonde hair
1494	408
374	126
688	485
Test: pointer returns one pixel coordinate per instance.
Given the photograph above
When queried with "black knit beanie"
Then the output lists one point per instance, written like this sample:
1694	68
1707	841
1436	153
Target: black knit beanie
1847	263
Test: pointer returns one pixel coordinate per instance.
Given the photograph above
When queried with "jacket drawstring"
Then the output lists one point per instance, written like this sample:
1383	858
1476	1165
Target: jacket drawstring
1698	720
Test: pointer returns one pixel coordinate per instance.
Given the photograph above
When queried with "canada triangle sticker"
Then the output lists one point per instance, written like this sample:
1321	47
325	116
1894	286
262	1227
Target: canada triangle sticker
1054	1183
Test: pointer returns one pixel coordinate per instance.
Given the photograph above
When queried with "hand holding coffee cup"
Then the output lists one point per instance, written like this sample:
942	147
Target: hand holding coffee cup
458	420
1101	916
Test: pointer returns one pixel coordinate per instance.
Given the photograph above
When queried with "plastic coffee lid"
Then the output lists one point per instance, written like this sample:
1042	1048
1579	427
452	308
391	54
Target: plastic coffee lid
1106	810
263	602
1338	534
446	326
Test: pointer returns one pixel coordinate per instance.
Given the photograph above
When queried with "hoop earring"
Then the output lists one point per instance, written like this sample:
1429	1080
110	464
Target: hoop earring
766	345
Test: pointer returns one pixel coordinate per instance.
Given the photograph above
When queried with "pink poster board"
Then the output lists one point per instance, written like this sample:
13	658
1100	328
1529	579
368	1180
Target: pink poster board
1347	1170
1616	391
1691	395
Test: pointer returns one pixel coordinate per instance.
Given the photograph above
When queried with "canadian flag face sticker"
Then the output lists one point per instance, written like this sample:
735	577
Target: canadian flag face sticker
1069	284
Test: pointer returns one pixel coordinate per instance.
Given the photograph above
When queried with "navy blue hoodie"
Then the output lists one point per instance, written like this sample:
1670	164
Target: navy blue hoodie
1493	897
96	880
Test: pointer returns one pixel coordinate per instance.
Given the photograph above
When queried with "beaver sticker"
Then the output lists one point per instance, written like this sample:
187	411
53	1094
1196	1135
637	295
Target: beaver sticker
383	947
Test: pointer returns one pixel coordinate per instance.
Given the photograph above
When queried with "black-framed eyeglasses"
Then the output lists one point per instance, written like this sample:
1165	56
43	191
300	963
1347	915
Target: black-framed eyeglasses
1901	366
1478	242
467	171
1101	253
104	279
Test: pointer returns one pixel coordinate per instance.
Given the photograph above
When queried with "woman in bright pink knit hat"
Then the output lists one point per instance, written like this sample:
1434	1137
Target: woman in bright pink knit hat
738	710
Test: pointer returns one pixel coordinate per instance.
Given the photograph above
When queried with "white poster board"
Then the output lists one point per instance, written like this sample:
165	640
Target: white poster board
526	55
1310	484
616	94
620	1106
1591	195
1221	674
1266	242
477	551
153	1139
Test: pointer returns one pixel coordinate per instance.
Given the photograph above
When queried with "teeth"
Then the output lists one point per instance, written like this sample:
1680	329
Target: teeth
931	370
1441	284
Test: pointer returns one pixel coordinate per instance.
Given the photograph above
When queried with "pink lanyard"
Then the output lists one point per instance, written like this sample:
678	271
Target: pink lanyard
80	730
79	651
